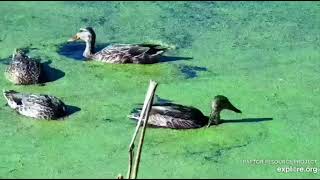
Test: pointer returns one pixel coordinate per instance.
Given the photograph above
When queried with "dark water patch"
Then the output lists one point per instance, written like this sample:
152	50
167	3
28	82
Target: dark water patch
191	71
75	50
107	120
100	77
247	120
84	20
216	155
173	58
102	20
71	110
50	74
215	152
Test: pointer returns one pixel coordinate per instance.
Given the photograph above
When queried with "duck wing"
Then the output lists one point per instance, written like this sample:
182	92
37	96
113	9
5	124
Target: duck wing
153	49
130	53
176	111
42	100
173	116
42	106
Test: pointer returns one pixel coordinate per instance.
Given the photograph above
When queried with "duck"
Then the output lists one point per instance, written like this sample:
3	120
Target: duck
38	106
176	116
22	69
118	53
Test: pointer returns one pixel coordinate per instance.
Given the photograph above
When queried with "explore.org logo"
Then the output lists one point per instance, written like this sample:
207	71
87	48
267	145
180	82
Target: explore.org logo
287	166
298	169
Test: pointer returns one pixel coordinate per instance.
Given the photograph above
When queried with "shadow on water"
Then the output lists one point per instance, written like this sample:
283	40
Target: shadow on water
75	50
50	74
191	71
247	120
72	109
173	58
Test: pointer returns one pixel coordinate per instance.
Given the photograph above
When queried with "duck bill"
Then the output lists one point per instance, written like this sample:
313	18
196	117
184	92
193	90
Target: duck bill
74	38
232	108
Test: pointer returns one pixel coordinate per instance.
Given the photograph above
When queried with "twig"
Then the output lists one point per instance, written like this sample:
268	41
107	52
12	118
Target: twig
149	94
144	115
138	157
131	154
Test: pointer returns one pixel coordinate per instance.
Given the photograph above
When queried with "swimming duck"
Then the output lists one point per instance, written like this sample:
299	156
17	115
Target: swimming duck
118	53
23	70
35	106
176	116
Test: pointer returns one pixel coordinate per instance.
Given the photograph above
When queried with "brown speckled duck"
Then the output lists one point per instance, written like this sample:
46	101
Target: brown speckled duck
176	116
22	69
37	106
118	53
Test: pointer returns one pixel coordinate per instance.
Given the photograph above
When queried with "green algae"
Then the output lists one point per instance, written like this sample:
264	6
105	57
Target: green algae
263	56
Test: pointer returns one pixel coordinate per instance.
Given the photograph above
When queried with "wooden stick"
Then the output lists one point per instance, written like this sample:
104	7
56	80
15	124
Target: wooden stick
150	92
138	157
131	154
146	106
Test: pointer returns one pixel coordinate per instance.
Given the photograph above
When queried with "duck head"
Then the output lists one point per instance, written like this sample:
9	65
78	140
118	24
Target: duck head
87	35
19	54
220	103
12	97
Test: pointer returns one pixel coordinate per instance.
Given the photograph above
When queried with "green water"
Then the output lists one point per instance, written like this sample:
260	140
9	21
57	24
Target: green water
264	56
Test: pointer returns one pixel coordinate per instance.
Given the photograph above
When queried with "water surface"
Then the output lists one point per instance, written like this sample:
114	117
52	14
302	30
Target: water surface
263	56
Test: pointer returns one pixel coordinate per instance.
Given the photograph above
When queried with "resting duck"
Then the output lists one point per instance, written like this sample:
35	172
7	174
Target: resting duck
175	116
23	70
118	53
35	106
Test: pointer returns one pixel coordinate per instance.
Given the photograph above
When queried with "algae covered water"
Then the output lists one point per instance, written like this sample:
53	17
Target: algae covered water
264	56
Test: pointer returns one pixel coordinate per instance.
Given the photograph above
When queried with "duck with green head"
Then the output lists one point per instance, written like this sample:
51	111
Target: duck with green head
118	53
176	116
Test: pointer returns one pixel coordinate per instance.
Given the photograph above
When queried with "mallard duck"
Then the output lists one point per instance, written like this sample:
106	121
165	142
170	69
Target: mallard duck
176	116
22	69
35	106
118	53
